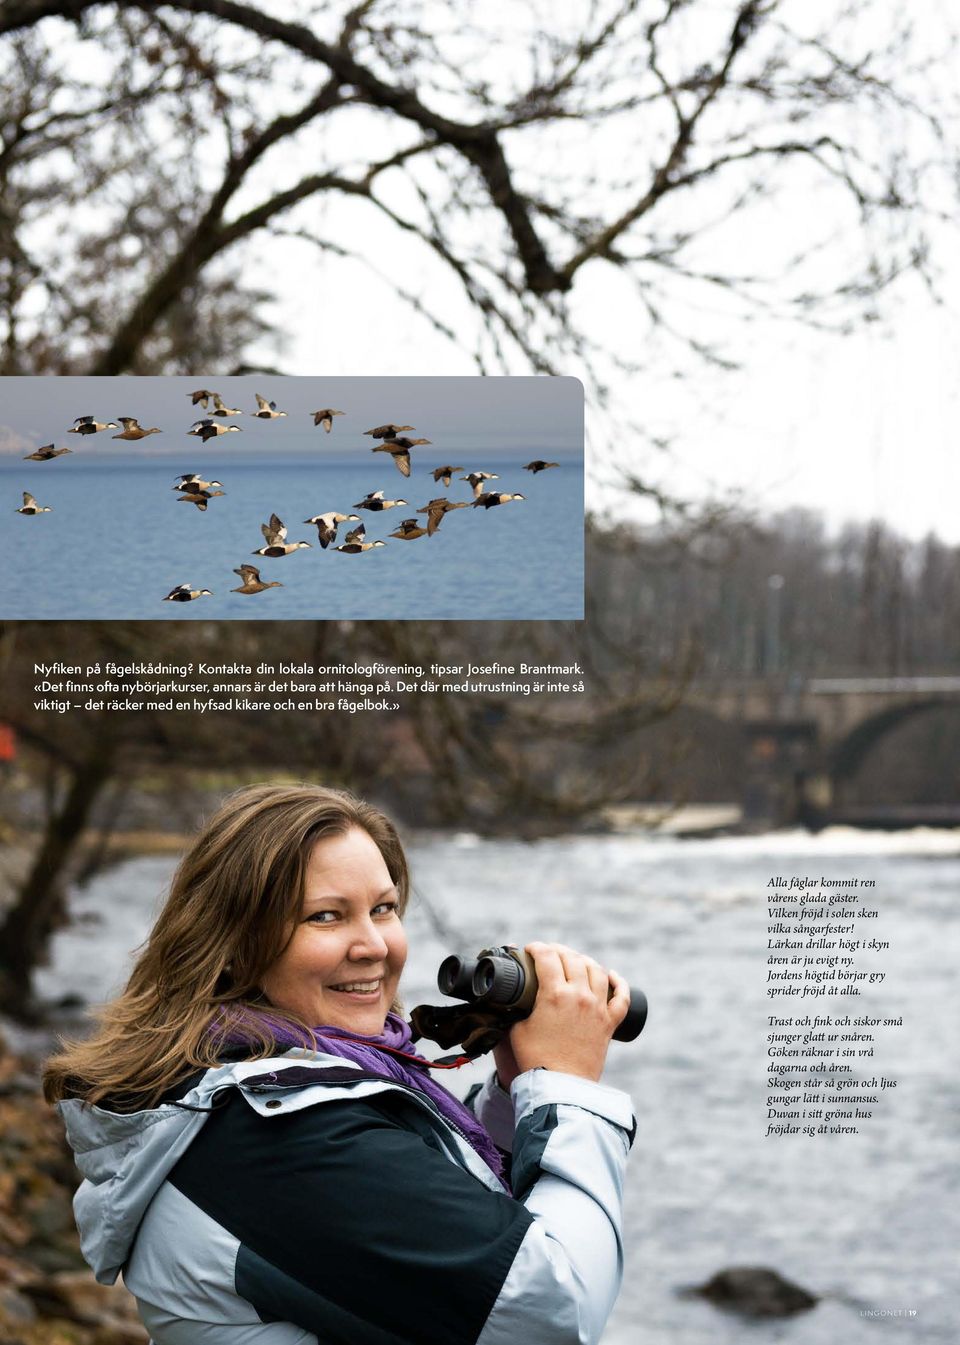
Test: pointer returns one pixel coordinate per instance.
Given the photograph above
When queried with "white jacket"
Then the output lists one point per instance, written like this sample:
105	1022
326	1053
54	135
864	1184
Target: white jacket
299	1199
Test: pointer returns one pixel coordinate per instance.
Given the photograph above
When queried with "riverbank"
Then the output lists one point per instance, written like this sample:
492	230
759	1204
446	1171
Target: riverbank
47	1294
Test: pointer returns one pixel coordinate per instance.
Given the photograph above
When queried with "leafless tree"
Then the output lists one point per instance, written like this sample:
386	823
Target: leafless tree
864	601
650	156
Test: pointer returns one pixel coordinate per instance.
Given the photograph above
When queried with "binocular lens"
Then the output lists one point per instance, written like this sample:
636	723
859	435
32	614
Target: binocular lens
483	979
455	977
497	980
636	1017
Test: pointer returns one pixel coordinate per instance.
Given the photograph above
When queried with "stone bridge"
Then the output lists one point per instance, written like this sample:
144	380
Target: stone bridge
807	738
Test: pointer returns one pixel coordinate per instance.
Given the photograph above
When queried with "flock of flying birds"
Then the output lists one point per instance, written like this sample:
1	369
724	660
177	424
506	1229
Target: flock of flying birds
193	489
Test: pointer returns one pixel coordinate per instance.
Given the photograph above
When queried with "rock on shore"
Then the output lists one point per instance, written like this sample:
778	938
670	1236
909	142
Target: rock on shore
47	1294
754	1291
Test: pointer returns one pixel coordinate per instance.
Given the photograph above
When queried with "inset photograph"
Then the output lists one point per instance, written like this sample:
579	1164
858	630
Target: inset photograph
306	498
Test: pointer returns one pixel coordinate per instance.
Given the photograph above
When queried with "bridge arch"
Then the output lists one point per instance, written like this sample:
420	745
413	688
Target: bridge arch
848	755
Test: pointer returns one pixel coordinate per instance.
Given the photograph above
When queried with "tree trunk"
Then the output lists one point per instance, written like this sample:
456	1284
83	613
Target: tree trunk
29	923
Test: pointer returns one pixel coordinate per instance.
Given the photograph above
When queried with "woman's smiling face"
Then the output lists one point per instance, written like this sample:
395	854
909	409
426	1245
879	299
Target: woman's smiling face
343	962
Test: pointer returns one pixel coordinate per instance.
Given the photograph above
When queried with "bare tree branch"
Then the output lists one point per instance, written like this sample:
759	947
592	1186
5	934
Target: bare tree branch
712	111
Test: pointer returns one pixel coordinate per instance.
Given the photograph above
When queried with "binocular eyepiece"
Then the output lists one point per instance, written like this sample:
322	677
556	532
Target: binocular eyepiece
504	979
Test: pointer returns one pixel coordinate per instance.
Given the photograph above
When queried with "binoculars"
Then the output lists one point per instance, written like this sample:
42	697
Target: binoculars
499	986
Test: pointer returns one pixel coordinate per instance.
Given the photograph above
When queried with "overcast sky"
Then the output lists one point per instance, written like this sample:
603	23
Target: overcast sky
856	426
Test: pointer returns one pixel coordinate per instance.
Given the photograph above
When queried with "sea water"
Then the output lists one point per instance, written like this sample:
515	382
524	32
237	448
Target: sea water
118	540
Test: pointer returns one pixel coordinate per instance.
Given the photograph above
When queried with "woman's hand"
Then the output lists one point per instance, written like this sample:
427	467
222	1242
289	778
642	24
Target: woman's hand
572	1020
506	1063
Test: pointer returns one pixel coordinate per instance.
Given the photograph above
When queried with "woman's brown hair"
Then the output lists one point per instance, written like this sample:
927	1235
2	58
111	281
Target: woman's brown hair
233	903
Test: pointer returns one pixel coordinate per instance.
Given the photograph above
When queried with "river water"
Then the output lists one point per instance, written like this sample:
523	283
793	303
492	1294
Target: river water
867	1221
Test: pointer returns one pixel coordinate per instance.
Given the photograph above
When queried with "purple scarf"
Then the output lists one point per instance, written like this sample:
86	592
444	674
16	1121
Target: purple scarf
363	1050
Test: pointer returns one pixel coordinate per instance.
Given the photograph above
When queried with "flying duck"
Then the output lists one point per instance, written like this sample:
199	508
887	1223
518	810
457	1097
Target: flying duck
409	530
30	506
87	425
199	497
435	509
266	410
220	407
375	502
252	583
275	534
354	548
201	397
538	465
445	474
477	479
45	453
184	593
191	481
325	418
400	449
490	498
132	429
209	429
388	431
327	525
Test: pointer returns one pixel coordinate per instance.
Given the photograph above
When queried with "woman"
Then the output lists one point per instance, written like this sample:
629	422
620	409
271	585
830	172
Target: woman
268	1161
